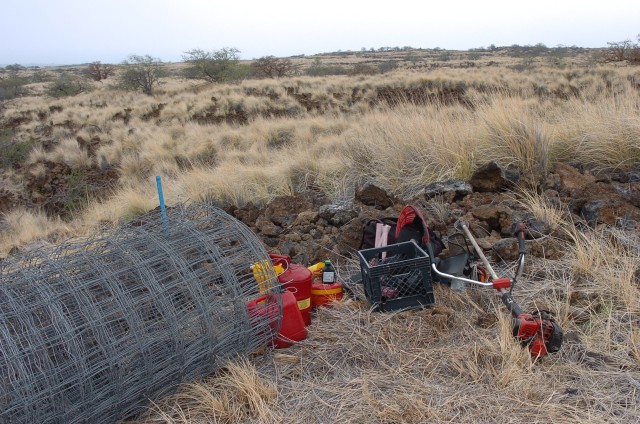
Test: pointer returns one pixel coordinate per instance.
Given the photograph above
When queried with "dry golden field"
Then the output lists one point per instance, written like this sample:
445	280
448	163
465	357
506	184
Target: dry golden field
438	116
255	140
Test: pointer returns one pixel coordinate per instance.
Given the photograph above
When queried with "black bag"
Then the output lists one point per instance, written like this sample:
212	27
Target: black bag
413	227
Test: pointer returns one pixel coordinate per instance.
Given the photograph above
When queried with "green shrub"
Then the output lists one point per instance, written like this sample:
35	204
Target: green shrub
41	76
387	66
13	153
215	66
318	69
274	67
99	71
12	87
67	85
141	72
77	194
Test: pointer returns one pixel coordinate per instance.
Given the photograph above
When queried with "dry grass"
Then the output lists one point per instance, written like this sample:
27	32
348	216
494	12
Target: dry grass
237	393
126	204
400	130
21	226
406	147
514	133
548	211
431	365
605	261
456	362
603	135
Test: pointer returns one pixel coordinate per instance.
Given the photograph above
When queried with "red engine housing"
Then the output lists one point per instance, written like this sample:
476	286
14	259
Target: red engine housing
538	332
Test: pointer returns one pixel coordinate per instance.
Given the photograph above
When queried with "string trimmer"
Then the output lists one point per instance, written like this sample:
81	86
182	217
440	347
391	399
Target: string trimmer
537	330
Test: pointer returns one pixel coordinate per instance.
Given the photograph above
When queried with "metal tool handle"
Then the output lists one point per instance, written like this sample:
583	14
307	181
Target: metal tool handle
508	301
511	304
465	227
520	229
522	250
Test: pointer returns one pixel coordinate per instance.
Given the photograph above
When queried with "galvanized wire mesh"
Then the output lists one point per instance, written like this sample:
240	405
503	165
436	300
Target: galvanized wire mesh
92	329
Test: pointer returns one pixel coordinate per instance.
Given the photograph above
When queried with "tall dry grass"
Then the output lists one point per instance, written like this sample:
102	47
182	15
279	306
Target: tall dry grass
456	362
406	147
237	393
21	226
514	133
602	135
400	130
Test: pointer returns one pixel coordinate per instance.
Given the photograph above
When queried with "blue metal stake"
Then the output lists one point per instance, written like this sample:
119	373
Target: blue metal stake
163	209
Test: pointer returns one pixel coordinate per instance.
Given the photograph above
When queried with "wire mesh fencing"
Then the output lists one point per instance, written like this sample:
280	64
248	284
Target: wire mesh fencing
92	329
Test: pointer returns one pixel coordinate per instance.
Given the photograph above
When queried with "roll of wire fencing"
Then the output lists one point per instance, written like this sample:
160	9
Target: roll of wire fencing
92	329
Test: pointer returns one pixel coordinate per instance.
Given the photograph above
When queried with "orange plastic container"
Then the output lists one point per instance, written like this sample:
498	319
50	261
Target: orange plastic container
297	279
324	294
292	327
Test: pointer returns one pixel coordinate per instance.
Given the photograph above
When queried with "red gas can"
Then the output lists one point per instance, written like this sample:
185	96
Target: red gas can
297	279
324	294
292	328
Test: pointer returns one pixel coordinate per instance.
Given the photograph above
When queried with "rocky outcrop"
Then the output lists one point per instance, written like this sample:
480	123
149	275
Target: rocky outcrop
605	199
8	200
452	189
61	190
309	228
492	177
372	195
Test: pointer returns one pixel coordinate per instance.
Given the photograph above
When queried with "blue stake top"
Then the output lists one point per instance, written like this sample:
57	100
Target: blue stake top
163	209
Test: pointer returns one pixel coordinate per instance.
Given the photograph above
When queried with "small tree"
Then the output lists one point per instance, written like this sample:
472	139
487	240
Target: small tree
274	67
67	85
13	84
141	73
388	66
318	69
14	69
634	52
363	69
99	71
214	66
617	51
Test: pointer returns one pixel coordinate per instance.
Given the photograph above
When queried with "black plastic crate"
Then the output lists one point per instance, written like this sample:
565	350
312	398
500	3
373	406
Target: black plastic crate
400	280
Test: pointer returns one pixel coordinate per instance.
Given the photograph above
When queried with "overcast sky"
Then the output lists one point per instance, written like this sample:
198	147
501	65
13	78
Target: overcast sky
80	31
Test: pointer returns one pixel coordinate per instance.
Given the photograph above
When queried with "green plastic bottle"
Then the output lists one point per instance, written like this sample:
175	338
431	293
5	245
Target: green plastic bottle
328	273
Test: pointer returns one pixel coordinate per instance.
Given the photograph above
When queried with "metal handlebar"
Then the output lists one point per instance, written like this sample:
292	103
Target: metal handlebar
453	277
506	296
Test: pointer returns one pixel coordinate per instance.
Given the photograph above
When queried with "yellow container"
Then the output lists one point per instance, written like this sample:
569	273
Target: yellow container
263	270
316	270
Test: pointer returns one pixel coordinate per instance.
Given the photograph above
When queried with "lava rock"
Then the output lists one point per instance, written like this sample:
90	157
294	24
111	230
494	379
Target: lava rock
571	181
306	218
457	189
284	210
337	215
596	211
497	216
372	195
538	228
492	177
7	201
547	248
507	249
248	214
